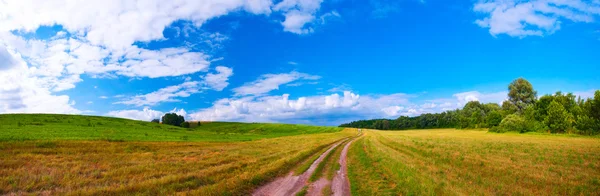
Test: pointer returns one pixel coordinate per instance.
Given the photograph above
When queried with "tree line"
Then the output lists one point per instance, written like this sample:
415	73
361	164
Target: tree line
522	112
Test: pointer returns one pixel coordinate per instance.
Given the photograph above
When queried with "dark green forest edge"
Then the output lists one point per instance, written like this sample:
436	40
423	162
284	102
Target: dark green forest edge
522	112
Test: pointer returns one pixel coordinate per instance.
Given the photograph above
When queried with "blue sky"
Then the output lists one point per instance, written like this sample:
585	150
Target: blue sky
295	61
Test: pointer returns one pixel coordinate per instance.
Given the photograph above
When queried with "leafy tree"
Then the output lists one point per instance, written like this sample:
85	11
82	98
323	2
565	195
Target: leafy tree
493	119
541	107
587	125
173	119
513	122
521	94
155	120
558	119
185	124
199	124
595	106
508	108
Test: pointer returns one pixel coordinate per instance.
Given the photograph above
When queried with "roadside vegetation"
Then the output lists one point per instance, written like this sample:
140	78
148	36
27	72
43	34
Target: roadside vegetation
62	155
454	162
522	112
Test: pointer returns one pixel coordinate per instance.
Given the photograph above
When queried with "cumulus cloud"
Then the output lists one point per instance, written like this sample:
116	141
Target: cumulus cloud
333	109
301	15
537	17
213	81
117	24
269	82
22	92
497	97
218	81
146	114
101	39
167	94
6	59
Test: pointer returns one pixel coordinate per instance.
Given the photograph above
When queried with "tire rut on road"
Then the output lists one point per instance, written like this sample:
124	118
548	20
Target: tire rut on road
340	185
290	184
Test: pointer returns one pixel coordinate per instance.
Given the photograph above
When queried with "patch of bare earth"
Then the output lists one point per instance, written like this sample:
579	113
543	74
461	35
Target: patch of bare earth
341	184
290	184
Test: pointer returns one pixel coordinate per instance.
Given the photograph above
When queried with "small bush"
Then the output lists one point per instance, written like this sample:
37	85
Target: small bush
155	120
512	122
185	125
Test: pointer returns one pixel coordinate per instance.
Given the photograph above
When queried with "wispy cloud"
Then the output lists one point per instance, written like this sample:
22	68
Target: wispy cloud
269	82
532	18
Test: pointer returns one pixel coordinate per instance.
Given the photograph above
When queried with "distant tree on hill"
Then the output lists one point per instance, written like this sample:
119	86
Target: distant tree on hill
521	94
155	120
199	124
172	119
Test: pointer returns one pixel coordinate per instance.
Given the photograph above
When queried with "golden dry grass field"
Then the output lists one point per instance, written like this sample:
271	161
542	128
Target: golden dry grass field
108	167
457	162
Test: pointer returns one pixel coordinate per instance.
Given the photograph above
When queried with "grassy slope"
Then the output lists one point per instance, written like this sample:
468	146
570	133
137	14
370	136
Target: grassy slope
449	162
14	127
65	154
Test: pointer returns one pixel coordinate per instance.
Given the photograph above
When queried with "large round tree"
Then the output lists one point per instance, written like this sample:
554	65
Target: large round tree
521	94
173	119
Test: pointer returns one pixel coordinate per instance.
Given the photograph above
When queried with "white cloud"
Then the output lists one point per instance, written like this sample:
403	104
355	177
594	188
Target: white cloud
97	39
179	112
146	114
585	94
167	94
219	81
216	81
301	15
103	97
269	82
333	109
22	92
6	59
117	24
295	22
465	97
538	17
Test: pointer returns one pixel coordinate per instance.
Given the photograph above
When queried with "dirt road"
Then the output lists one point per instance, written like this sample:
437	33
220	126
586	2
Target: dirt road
290	184
341	183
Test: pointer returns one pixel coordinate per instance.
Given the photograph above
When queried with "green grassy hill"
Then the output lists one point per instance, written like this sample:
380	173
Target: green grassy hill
14	127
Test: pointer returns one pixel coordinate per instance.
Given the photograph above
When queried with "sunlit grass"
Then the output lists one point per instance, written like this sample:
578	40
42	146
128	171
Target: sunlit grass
88	155
102	167
449	162
16	127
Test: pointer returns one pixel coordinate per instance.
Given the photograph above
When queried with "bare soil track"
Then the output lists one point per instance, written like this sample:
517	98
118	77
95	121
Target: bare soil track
290	184
341	183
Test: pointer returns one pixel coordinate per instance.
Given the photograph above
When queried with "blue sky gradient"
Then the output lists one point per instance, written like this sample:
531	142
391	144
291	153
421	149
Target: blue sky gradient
293	61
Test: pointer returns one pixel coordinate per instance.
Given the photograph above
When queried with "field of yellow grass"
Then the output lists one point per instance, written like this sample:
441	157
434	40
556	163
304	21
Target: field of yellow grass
457	162
201	168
